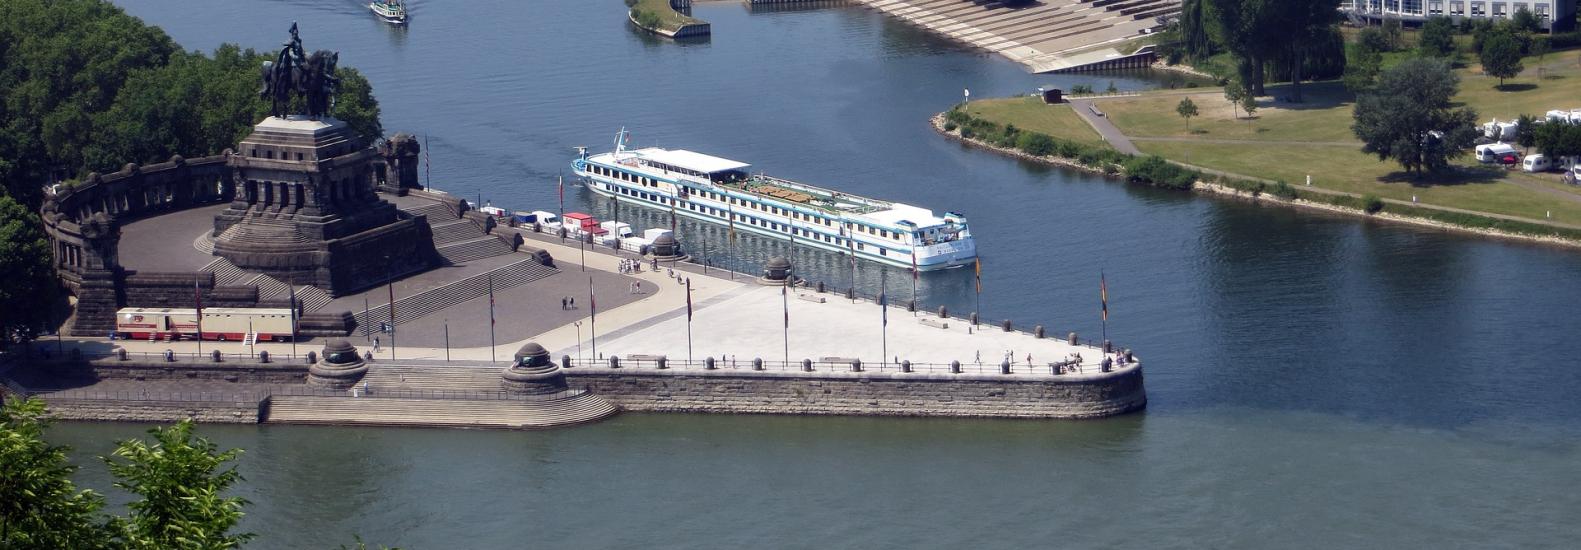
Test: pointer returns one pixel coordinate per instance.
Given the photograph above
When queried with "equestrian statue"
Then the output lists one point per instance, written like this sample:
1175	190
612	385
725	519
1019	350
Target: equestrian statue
293	73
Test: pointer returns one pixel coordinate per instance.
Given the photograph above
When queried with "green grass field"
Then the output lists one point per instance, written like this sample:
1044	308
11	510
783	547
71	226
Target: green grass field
1030	113
669	19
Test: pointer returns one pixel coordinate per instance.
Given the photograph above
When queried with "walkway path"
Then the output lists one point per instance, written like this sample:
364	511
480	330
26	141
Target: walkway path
1111	133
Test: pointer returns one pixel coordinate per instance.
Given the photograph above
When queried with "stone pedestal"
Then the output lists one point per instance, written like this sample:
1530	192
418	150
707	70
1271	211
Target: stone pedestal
533	373
305	211
666	249
338	367
777	272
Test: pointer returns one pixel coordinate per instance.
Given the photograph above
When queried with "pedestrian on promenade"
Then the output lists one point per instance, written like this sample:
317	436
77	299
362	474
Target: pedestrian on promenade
562	303
375	344
573	302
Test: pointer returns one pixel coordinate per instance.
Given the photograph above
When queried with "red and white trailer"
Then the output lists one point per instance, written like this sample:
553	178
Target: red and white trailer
219	323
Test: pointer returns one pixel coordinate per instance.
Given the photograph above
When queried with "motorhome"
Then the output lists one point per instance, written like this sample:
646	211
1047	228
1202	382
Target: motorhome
1535	163
1501	131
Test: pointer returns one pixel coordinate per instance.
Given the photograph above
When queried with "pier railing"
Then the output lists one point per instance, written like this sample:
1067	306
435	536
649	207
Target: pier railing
260	393
846	365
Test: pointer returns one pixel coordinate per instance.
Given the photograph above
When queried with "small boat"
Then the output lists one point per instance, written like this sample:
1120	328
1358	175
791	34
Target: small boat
391	11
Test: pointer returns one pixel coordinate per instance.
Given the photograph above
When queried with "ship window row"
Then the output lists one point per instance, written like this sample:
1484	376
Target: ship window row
623	176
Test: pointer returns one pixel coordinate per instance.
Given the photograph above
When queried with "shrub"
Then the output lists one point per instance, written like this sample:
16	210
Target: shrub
1372	204
967	133
1284	191
1035	143
949	126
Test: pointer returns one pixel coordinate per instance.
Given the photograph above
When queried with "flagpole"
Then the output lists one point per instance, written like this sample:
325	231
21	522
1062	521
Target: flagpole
785	303
428	165
688	320
914	275
293	321
592	302
561	178
979	307
883	306
1103	297
197	298
492	357
390	284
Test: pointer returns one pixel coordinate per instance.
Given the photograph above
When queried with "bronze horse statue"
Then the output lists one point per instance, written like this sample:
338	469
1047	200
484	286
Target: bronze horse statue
293	73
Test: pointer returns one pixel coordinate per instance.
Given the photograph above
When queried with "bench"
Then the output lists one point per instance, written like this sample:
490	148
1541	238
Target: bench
933	323
811	298
1094	109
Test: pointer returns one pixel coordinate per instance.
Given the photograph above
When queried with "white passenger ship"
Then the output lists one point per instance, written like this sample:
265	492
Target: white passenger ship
723	191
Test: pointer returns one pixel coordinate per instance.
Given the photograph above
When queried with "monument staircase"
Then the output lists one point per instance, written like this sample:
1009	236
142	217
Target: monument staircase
1033	33
270	289
446	378
563	409
429	301
459	240
264	231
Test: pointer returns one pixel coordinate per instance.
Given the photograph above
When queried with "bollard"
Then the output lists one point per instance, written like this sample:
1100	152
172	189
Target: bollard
955	367
263	356
708	363
820	287
312	357
565	361
663	361
905	365
856	365
614	362
757	363
218	357
1037	332
973	318
1006	325
806	365
944	312
1004	367
121	353
1108	347
1071	339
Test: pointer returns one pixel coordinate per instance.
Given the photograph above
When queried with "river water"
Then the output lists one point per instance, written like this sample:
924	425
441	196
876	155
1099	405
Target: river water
1314	381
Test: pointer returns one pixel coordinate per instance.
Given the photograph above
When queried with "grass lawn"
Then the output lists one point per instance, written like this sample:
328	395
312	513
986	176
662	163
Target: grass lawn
1348	169
1324	116
1559	87
669	19
1030	113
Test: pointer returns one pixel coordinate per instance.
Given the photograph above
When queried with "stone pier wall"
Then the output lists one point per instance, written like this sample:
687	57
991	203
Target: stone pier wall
107	410
866	394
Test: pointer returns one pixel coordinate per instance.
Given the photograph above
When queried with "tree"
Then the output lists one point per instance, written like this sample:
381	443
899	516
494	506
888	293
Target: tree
1526	131
1234	92
1540	47
1438	37
1373	39
1501	57
1408	117
29	287
1557	140
1194	30
1362	73
1249	104
1186	109
39	506
182	480
1525	21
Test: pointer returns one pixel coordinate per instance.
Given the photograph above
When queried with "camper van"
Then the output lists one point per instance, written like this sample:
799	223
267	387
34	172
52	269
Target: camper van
1493	152
1535	163
1500	131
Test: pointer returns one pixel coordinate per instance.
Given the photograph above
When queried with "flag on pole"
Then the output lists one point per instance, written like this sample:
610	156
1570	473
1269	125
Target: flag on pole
785	299
979	264
883	301
732	219
1103	295
293	312
491	300
197	298
592	300
672	216
914	271
688	300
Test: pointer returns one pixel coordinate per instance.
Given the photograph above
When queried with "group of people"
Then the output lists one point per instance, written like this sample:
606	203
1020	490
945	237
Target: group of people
567	302
630	266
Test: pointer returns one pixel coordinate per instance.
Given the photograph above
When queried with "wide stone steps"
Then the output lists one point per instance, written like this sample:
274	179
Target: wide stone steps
312	298
429	301
436	212
454	231
263	231
573	408
270	288
226	273
474	249
448	378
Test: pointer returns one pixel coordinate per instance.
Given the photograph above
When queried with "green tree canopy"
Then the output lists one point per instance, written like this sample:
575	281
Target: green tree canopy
1438	37
1557	140
40	508
182	479
29	283
1186	109
1408	116
1501	57
85	87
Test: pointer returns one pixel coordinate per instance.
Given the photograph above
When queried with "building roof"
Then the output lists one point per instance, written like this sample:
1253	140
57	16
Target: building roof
690	160
898	212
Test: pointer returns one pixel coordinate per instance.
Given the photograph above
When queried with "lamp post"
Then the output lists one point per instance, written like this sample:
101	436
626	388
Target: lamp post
578	341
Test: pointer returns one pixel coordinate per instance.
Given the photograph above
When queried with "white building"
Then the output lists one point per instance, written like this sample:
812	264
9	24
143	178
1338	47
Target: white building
1552	14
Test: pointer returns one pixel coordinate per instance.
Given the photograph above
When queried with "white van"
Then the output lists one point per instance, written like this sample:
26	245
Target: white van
1492	152
1535	163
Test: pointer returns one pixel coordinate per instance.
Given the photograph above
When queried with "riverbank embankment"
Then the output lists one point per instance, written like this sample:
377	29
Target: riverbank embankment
1104	162
668	18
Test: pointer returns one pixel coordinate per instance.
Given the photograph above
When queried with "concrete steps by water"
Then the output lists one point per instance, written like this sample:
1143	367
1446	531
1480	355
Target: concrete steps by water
570	408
